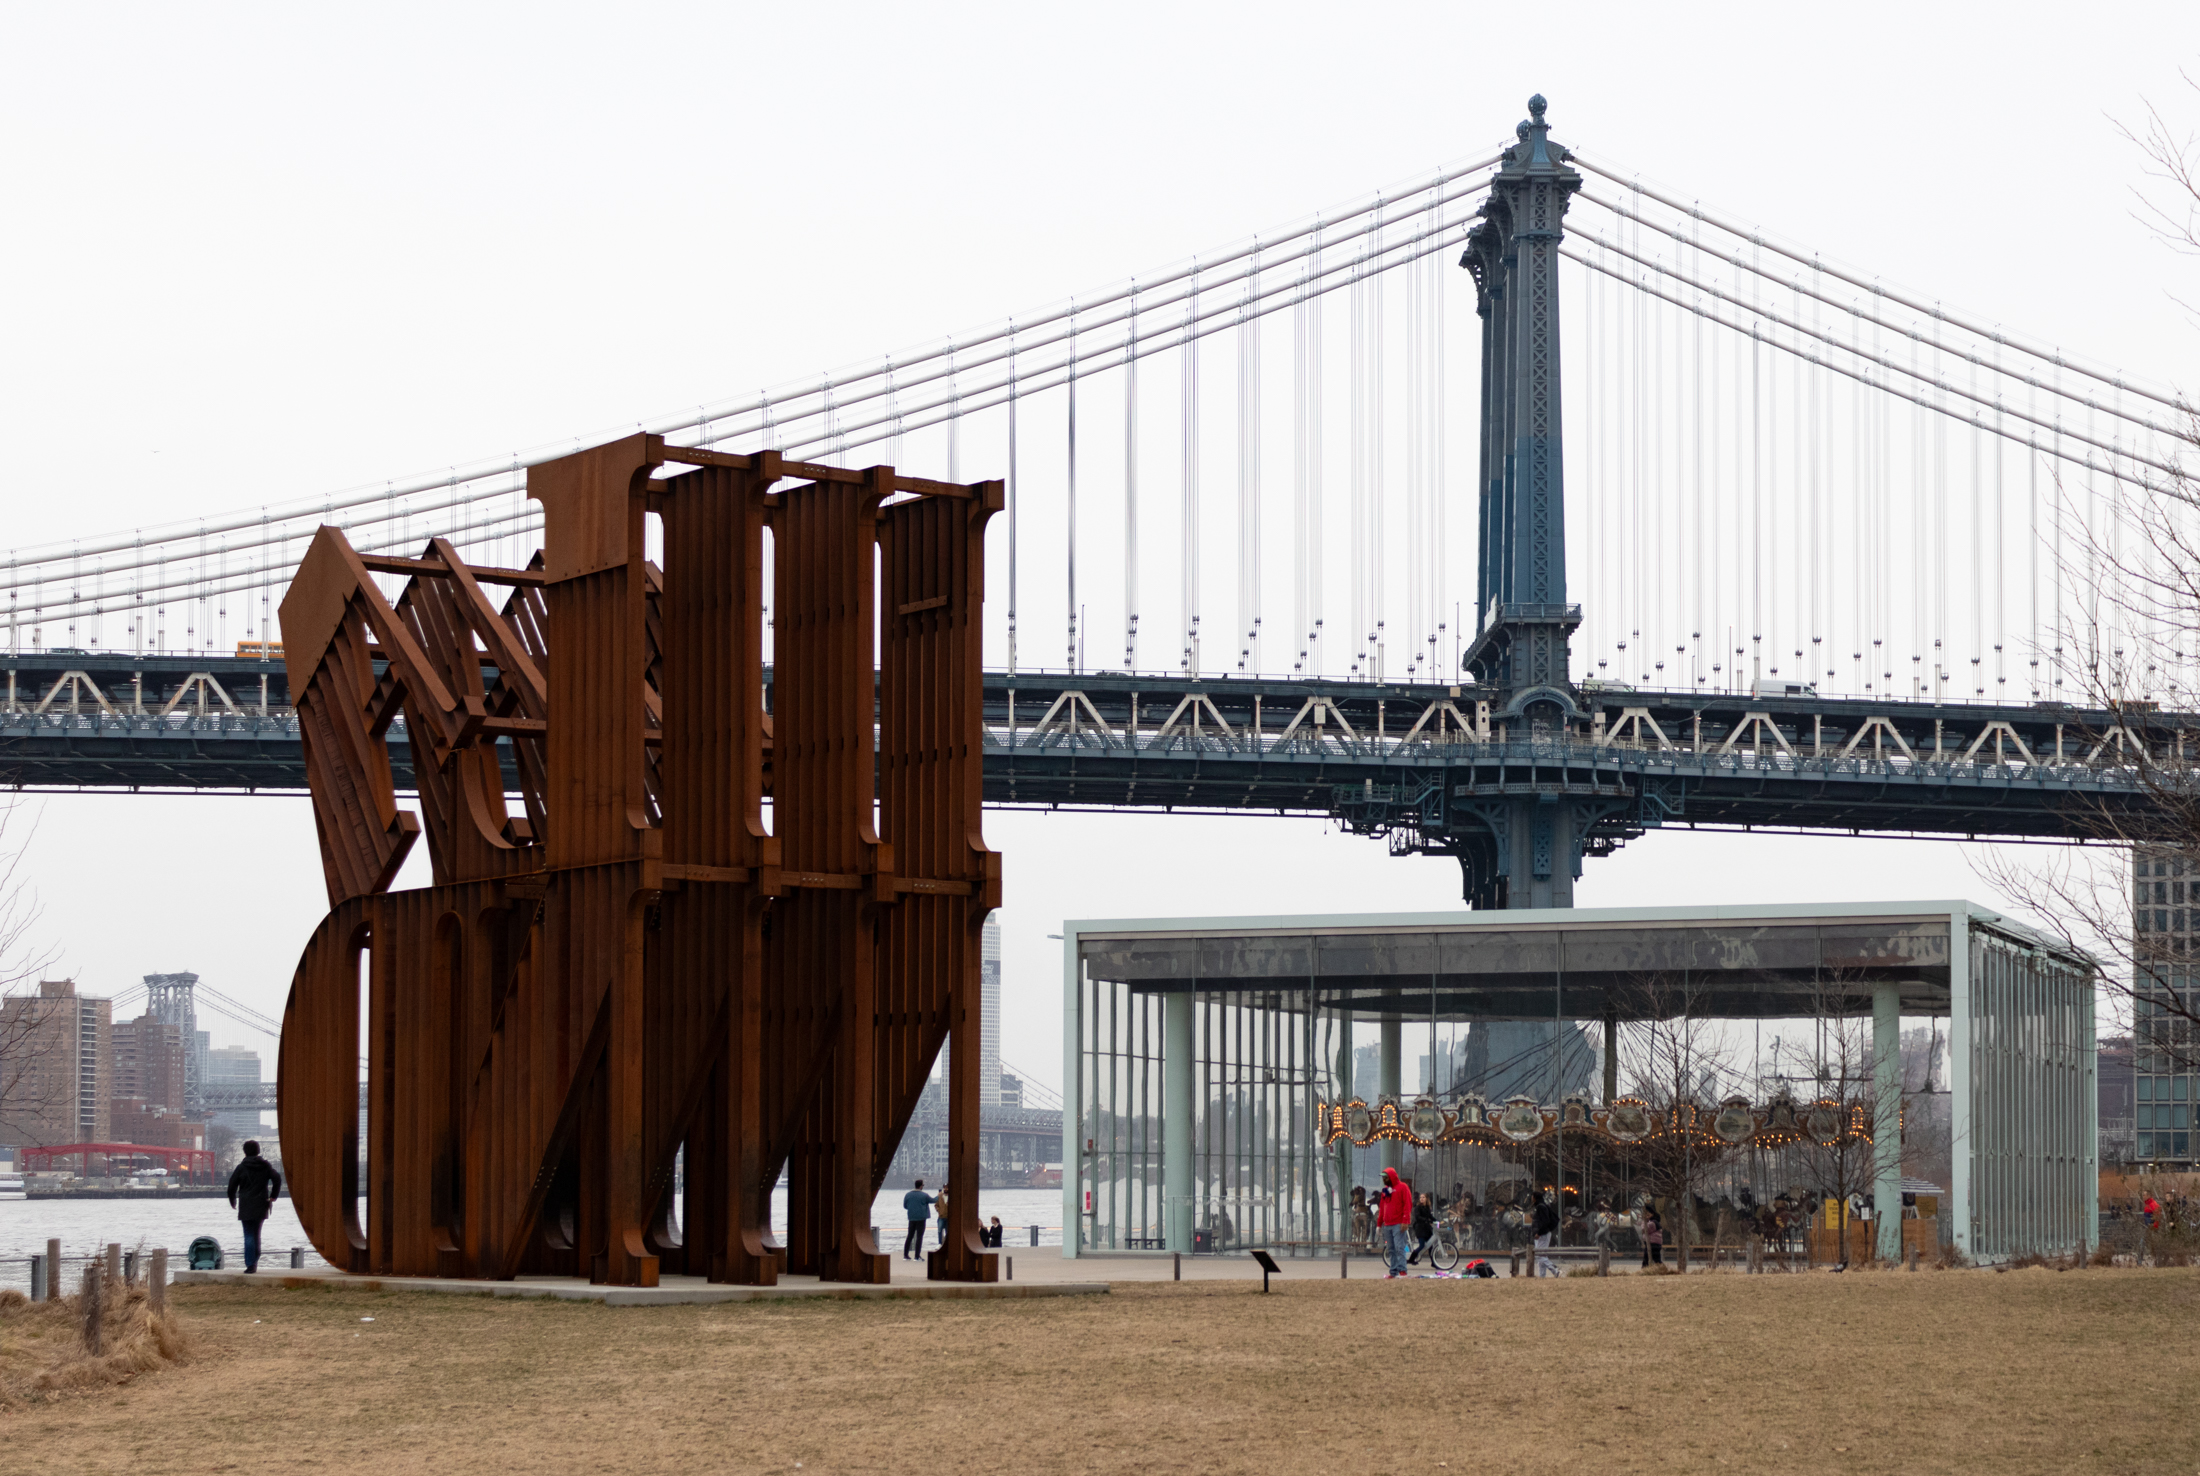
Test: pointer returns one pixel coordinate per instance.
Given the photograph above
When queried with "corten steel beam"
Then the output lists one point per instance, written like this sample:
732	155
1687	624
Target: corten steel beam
627	962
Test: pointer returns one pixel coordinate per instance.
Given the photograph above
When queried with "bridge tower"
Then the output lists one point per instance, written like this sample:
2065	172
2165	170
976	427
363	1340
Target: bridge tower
1527	847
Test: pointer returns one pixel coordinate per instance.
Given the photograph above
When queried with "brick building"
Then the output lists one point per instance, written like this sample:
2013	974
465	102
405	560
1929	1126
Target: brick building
58	1080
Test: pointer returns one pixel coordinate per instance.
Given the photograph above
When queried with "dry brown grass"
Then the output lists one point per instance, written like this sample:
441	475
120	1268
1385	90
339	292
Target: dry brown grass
2030	1371
42	1352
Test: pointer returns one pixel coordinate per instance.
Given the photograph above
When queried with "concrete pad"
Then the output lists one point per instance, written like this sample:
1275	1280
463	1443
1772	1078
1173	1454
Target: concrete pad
671	1291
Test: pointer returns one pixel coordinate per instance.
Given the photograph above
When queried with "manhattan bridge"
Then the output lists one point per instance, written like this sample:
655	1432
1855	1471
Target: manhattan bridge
1831	556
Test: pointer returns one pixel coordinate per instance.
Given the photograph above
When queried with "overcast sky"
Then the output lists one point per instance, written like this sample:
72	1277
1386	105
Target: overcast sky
256	253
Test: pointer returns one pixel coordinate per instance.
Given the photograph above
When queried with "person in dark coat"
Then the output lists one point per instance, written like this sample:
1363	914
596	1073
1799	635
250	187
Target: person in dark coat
918	1205
1424	1228
254	1186
1545	1226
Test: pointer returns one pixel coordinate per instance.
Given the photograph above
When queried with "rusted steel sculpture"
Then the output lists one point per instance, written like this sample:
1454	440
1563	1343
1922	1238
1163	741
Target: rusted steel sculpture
630	962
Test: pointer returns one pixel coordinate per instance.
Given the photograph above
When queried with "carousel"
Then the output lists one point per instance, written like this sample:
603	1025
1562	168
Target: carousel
1487	1164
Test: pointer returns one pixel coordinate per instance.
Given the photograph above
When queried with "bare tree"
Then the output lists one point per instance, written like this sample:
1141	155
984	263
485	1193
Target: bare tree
1677	1061
2131	651
1833	1081
27	1088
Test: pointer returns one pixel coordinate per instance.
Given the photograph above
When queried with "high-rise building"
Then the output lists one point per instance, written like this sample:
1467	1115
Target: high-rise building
234	1067
151	1063
989	1029
59	1078
2165	929
2117	1098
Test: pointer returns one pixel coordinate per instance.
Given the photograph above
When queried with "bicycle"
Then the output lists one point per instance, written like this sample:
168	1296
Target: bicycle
1445	1247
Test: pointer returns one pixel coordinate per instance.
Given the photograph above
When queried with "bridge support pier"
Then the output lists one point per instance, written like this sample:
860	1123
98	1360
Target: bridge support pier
1529	857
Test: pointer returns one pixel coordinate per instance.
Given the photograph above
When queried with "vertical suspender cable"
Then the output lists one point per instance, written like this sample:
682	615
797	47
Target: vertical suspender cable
954	423
1307	393
1818	592
1299	310
1013	498
1592	488
1920	551
2001	526
2032	584
2062	516
1696	492
1658	528
1416	428
1130	486
1756	504
1359	462
1248	458
1940	528
1377	492
1071	509
1864	533
1804	561
1978	542
1439	493
1188	428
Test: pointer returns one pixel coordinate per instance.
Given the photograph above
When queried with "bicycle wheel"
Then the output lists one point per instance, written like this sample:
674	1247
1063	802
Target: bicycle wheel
1443	1251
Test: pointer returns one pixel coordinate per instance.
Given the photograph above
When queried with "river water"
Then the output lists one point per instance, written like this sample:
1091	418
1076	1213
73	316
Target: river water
85	1226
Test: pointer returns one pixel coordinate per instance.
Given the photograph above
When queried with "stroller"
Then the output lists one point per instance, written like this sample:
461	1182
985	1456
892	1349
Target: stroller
205	1254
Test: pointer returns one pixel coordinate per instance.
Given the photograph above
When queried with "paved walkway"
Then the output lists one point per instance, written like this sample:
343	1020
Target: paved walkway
670	1291
1027	1272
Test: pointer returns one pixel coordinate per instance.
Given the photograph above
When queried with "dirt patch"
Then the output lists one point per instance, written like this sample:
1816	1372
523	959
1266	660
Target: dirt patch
2029	1371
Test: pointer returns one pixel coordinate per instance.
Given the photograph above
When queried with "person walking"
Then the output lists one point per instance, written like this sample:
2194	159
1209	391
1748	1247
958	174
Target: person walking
254	1186
1545	1226
1393	1214
1653	1238
940	1209
918	1206
2152	1209
1424	1227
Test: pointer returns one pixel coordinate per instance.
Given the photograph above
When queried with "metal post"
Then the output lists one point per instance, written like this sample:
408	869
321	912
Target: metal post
1611	1055
1176	1268
1962	1142
1035	1235
38	1278
297	1258
1887	1117
1176	1119
1391	1065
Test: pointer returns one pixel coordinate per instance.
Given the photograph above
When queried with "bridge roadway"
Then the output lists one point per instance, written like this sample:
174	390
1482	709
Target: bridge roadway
1410	762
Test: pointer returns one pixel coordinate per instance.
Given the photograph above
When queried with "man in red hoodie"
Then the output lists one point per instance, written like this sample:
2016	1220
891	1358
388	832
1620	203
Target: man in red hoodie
1393	1215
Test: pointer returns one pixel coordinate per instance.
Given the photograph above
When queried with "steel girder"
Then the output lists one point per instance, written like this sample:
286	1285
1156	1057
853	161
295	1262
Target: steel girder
617	959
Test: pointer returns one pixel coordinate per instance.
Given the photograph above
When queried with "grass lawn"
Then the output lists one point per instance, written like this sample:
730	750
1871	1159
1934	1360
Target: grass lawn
2027	1371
